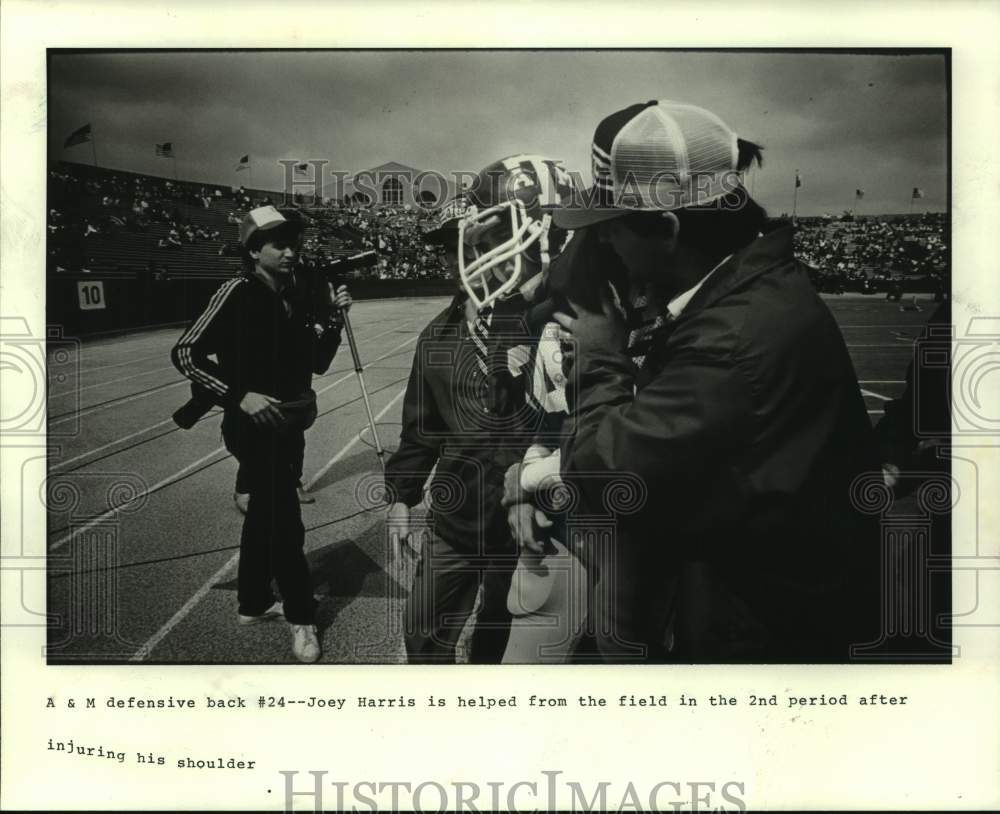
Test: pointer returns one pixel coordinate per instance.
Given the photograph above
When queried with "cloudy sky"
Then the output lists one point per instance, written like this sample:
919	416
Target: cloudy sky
845	121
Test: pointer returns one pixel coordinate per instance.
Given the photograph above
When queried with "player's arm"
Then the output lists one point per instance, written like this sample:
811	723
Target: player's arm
420	439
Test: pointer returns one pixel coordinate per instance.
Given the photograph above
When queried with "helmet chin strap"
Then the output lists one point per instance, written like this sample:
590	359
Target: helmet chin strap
543	243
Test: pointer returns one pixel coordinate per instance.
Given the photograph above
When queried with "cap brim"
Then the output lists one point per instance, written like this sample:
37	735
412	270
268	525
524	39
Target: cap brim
586	210
296	228
578	218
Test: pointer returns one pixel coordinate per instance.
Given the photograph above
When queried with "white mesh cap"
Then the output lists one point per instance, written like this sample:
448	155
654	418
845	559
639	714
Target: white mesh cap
657	156
672	155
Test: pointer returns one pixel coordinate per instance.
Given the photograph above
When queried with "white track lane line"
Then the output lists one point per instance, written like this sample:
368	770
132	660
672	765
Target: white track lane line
116	403
875	395
146	649
63	464
106	367
97	408
156	487
131	435
326	468
177	475
109	383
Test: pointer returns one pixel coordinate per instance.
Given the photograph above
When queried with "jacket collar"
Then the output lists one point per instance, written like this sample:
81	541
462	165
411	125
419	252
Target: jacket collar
764	254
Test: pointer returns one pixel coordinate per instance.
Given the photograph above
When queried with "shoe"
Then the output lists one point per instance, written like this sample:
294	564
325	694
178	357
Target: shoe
242	500
305	643
304	496
276	611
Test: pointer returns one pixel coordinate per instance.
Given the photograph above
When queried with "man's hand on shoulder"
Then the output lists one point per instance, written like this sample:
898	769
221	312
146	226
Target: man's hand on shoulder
589	330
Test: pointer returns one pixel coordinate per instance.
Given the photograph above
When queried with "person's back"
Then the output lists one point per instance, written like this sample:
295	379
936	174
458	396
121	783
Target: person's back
777	528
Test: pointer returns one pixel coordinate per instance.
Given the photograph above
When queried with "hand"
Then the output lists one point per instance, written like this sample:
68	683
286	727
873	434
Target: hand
262	410
341	298
568	355
589	331
525	522
398	523
512	492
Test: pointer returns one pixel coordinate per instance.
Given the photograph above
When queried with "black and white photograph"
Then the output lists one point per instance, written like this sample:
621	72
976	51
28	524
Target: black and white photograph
618	371
504	407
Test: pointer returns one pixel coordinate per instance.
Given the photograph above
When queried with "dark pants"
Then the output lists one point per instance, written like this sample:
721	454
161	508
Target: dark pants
273	538
442	599
297	440
627	603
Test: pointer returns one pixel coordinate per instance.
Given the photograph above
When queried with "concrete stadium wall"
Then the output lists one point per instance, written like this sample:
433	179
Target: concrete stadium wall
85	304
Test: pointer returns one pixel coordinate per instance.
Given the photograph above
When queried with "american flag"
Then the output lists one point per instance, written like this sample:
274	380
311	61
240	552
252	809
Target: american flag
78	136
301	169
165	150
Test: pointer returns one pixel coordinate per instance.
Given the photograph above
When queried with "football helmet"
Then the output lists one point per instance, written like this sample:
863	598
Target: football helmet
512	200
444	223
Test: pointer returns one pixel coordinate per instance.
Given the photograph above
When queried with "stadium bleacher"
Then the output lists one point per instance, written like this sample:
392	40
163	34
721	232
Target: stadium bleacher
131	242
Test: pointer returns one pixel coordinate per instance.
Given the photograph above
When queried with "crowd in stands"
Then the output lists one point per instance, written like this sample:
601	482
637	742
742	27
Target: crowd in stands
86	204
869	255
83	207
394	233
875	254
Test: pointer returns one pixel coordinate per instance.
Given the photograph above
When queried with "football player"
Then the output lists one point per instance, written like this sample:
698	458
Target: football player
468	413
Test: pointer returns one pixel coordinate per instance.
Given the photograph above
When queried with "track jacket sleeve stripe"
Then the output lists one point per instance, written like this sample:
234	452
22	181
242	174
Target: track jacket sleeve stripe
207	332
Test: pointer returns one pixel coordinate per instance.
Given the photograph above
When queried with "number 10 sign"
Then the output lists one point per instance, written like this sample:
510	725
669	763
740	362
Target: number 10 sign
91	295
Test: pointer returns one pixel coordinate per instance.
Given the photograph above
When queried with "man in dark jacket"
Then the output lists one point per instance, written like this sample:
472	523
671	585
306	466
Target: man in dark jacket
726	386
264	332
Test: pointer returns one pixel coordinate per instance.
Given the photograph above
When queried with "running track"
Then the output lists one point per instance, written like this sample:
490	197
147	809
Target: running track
155	581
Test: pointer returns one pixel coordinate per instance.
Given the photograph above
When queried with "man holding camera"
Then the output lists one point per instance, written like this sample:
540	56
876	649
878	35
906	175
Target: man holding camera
268	337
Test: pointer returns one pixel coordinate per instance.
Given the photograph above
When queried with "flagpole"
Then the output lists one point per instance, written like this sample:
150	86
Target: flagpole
795	198
93	145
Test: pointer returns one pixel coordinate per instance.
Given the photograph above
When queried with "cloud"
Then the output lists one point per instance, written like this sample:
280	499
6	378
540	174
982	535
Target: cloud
879	120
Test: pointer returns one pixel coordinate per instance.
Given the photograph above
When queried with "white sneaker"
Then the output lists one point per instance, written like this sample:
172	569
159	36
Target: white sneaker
276	611
305	643
304	496
242	500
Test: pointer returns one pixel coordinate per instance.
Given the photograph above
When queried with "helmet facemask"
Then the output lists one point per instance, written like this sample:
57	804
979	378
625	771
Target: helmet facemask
483	277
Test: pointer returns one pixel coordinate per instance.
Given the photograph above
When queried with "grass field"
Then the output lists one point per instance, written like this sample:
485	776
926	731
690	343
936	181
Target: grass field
154	579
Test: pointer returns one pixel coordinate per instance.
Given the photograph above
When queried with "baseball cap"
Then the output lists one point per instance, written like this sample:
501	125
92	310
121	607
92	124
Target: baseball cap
444	225
265	218
657	156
